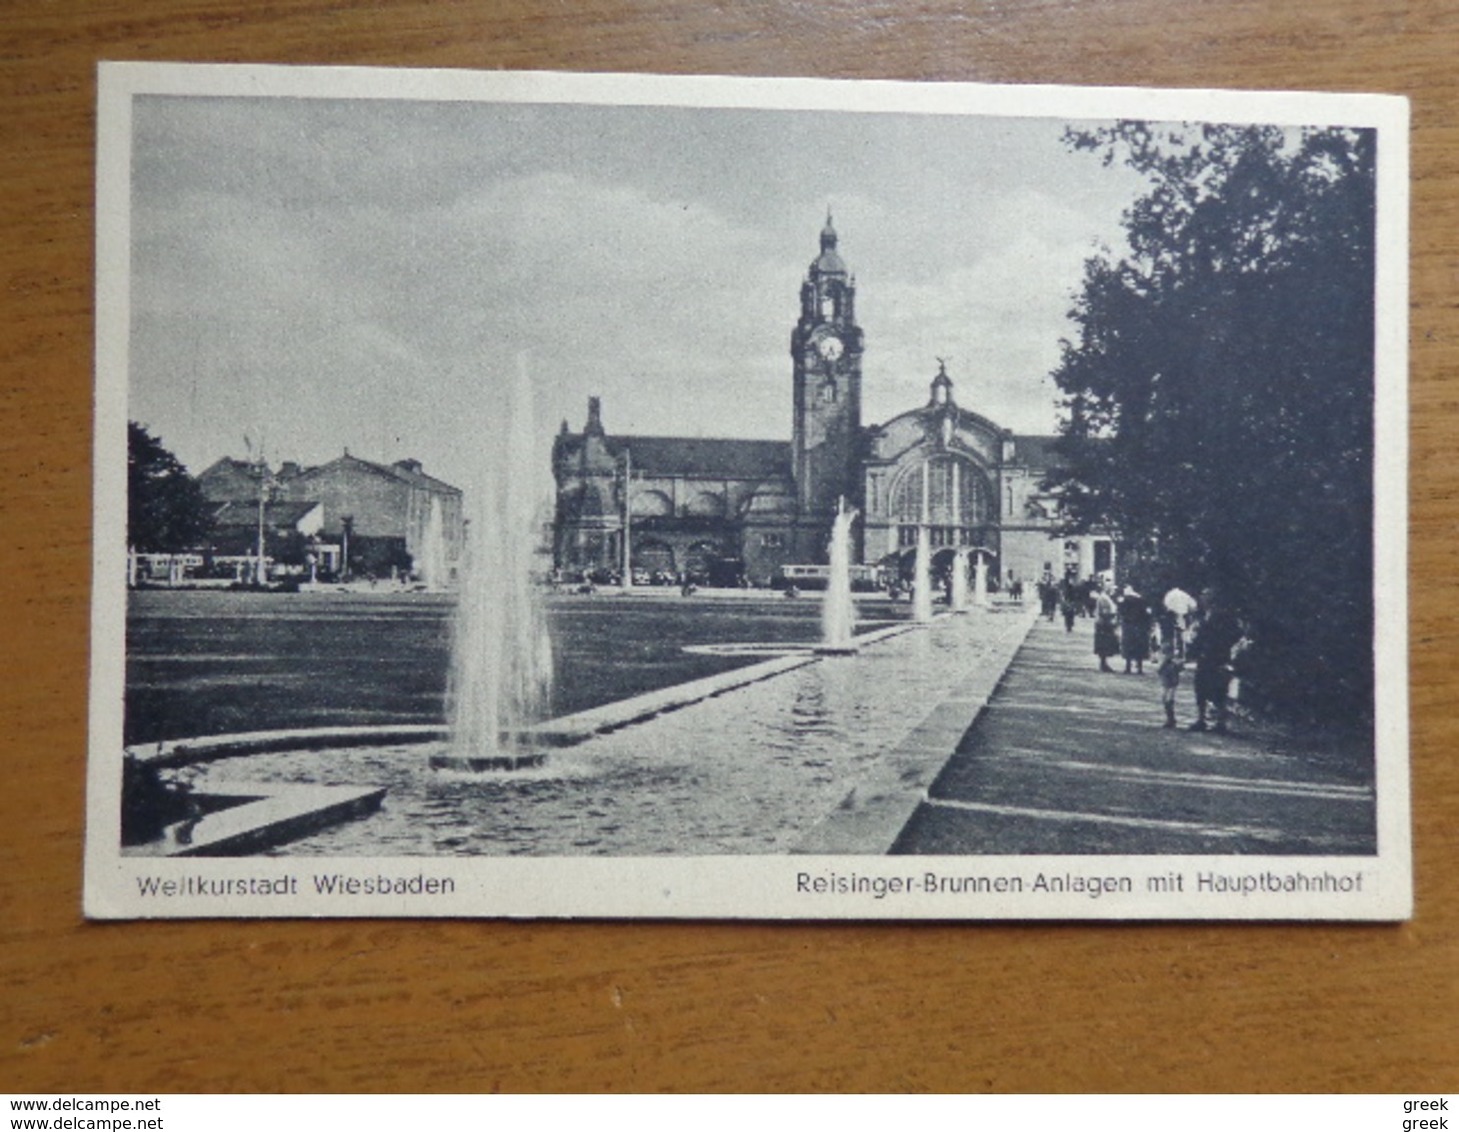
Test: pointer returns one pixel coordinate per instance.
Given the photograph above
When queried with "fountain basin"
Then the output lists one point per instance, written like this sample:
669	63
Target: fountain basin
243	818
482	764
754	771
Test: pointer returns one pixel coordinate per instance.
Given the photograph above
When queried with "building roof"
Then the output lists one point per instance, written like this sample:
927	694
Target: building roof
710	458
242	513
406	471
1037	451
409	471
230	479
229	464
690	456
222	475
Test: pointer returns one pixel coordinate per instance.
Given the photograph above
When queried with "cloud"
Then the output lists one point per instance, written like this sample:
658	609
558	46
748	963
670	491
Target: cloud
369	274
996	313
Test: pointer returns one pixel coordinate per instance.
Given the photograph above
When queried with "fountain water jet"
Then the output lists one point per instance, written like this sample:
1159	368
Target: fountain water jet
960	581
922	570
838	610
980	580
501	666
922	578
432	564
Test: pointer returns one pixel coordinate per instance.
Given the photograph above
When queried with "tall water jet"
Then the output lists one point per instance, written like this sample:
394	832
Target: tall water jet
431	566
922	574
960	581
838	610
501	668
980	580
922	578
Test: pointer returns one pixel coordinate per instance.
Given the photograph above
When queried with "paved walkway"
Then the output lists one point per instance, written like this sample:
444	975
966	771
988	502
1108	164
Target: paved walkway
1069	760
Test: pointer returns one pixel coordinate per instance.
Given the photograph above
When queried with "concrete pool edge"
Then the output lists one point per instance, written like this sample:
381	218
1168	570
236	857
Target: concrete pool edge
563	731
873	813
259	816
268	815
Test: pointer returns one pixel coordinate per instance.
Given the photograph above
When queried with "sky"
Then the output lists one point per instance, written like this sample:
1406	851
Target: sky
317	275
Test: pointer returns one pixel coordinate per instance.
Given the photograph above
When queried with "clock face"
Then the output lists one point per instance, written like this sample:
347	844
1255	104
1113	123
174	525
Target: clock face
830	347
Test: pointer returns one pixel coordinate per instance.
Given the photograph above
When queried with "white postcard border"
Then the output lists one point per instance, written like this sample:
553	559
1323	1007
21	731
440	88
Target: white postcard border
742	887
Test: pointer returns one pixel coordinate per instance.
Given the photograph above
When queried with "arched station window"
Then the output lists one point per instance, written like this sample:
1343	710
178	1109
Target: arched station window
957	493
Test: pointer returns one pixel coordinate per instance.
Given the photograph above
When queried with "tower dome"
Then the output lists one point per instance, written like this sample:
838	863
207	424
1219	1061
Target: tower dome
941	386
828	262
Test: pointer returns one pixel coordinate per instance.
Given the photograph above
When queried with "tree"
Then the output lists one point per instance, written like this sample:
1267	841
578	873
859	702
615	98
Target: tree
1218	404
166	509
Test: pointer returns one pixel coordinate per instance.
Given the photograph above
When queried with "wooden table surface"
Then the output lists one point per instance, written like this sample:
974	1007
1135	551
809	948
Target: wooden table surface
686	1006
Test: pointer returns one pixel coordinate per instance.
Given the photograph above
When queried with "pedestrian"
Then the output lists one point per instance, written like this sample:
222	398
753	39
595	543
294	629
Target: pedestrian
1213	636
1134	630
1048	595
1106	617
1169	673
1175	620
1069	603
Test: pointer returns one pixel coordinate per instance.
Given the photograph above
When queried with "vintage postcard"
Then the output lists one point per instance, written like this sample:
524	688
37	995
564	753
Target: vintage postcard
540	495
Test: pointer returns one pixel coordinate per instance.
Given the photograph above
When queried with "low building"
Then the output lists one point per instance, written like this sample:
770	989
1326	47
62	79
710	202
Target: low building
394	517
377	520
228	480
715	510
290	535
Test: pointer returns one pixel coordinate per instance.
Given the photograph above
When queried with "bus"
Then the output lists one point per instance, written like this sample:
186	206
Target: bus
864	579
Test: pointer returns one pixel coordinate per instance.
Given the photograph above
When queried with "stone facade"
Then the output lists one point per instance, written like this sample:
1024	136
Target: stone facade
397	511
826	347
383	502
230	481
720	510
717	510
975	484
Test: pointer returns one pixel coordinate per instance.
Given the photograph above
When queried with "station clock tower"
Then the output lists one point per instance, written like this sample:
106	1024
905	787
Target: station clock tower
825	350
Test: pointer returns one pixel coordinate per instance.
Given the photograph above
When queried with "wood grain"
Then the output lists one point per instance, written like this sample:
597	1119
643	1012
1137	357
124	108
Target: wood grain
589	1006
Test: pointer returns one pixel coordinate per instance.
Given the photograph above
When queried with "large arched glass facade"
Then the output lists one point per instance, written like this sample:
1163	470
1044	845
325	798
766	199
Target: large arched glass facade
949	493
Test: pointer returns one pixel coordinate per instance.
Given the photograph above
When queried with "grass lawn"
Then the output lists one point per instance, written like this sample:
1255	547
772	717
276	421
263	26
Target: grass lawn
210	662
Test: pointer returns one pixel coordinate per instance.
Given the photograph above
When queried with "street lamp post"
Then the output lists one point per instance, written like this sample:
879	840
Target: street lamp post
347	525
627	576
260	575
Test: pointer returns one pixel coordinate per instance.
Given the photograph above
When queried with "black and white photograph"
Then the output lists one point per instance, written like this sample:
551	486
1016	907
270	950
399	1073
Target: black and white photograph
525	494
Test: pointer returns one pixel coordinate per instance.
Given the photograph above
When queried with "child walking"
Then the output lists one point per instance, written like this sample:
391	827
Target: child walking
1169	673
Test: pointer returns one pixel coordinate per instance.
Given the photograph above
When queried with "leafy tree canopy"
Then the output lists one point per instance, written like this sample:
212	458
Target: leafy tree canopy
1218	400
166	510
